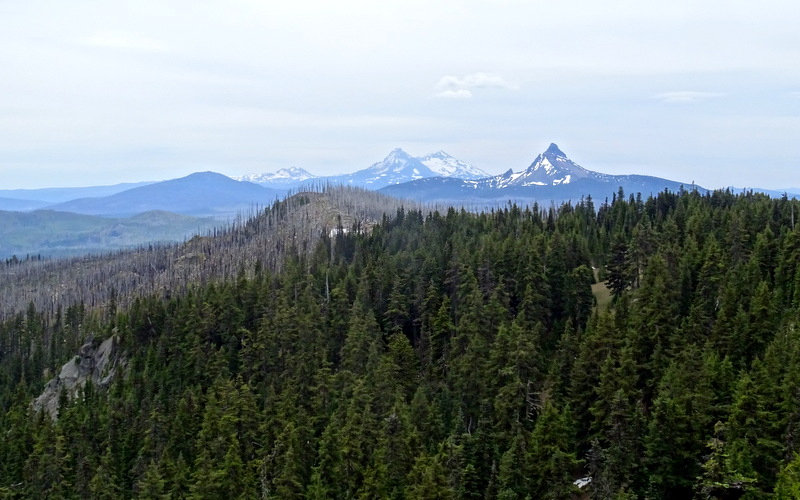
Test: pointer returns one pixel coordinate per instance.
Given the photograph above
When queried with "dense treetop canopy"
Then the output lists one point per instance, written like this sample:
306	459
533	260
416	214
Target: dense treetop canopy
440	355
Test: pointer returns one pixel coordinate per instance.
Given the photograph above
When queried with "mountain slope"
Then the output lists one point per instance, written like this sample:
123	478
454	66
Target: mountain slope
294	224
396	168
445	165
200	194
551	168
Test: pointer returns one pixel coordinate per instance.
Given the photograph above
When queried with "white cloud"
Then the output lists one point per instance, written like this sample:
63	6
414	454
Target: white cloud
686	96
455	87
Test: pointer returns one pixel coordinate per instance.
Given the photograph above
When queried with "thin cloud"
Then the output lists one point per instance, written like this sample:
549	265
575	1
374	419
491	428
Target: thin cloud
126	41
455	94
454	87
686	96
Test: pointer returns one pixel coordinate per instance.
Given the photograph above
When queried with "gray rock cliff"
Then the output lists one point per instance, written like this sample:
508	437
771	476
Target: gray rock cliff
96	363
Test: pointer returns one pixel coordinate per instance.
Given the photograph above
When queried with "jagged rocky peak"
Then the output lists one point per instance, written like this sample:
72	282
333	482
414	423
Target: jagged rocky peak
554	164
395	161
550	168
397	155
553	150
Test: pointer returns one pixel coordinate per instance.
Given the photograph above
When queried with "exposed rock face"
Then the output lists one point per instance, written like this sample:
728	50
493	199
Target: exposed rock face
98	364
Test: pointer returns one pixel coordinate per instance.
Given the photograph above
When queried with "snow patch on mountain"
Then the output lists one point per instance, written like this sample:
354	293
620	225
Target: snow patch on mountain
398	167
284	176
551	168
446	166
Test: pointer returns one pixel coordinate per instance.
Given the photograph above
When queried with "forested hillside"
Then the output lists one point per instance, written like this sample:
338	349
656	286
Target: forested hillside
440	355
287	227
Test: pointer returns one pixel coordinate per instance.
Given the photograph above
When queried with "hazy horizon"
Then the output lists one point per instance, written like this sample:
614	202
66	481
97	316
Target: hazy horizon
144	181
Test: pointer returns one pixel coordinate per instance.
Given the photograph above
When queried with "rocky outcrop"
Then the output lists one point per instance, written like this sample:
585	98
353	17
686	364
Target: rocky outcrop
98	363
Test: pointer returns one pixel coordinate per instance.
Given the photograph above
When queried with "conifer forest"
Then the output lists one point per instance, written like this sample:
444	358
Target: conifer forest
635	348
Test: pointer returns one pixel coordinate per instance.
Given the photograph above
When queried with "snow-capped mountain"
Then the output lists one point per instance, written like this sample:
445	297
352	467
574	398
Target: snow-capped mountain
445	165
285	177
398	167
551	177
551	168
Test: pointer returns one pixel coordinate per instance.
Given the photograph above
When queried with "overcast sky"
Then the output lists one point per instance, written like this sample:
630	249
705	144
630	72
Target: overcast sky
104	92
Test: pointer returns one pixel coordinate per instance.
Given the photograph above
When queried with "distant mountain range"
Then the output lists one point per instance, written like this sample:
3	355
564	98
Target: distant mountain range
439	177
56	195
398	167
205	194
436	177
551	177
71	221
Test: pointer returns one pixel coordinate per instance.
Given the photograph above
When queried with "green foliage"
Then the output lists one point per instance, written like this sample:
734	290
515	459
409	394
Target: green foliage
553	459
451	355
788	485
722	477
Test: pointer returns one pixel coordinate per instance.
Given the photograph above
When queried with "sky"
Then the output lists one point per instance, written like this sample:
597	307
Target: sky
97	92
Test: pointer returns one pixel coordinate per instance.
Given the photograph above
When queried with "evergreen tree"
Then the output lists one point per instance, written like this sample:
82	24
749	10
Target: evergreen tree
152	486
788	485
553	459
513	477
427	480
